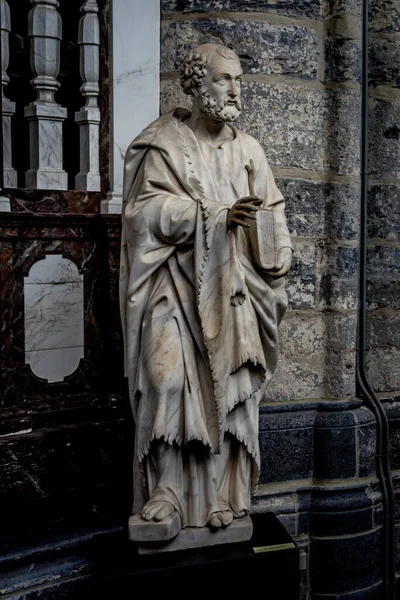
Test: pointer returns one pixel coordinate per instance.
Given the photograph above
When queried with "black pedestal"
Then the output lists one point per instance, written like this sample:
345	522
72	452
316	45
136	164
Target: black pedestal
270	561
96	564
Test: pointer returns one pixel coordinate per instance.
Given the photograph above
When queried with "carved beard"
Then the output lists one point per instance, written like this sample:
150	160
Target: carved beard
220	109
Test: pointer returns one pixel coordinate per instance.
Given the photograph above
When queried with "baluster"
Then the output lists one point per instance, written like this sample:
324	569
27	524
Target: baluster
45	115
10	175
89	116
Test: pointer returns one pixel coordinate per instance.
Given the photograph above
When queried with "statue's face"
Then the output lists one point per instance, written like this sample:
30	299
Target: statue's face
220	91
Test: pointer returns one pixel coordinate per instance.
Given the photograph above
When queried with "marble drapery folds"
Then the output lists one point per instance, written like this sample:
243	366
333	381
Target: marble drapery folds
199	319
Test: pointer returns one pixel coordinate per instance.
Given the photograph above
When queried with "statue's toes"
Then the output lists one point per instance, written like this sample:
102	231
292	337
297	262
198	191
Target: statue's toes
214	522
164	512
148	512
226	517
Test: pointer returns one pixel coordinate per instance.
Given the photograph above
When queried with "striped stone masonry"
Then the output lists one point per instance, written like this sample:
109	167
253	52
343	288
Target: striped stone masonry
301	100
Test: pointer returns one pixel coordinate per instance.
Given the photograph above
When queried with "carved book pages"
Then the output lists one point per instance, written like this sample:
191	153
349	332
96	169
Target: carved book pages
262	239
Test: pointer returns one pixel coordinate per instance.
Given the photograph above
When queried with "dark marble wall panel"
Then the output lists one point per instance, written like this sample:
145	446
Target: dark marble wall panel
38	201
69	457
85	241
115	354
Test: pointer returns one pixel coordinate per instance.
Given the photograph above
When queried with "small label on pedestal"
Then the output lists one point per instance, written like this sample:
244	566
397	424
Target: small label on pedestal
275	548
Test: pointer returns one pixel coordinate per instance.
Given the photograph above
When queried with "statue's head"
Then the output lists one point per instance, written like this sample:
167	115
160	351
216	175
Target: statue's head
212	74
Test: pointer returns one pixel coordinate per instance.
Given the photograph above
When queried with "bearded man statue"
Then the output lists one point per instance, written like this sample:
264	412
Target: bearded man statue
200	301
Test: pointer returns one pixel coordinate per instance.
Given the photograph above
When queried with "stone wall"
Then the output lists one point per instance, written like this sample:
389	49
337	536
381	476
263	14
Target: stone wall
384	223
301	101
301	95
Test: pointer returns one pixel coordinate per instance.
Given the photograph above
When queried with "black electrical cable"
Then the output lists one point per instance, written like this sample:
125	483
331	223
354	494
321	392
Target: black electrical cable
364	387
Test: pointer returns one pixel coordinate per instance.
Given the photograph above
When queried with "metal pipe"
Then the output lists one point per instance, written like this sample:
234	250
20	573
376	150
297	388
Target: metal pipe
363	385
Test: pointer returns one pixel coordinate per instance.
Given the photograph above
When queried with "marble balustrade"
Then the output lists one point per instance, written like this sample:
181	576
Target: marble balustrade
88	117
126	107
46	115
8	107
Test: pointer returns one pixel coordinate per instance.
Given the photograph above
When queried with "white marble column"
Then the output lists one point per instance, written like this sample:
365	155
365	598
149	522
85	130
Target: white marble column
135	72
45	115
89	116
8	107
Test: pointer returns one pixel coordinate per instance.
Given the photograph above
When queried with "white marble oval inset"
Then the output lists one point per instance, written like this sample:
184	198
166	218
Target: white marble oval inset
54	318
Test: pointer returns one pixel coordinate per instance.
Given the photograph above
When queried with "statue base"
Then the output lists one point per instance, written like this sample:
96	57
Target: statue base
151	531
240	530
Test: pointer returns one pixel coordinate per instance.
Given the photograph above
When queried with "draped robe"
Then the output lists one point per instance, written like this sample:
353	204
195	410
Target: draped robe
200	321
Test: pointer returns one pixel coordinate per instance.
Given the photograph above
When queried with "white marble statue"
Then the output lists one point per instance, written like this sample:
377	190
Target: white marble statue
200	300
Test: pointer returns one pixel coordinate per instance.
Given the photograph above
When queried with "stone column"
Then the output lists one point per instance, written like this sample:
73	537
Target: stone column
89	116
135	71
45	115
8	107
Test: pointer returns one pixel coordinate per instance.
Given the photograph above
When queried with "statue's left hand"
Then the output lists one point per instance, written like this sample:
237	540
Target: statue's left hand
283	263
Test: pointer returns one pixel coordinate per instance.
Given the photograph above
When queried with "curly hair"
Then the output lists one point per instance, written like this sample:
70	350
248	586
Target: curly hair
194	66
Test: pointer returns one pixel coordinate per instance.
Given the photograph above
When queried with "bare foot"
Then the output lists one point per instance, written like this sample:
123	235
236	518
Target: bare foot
220	519
156	510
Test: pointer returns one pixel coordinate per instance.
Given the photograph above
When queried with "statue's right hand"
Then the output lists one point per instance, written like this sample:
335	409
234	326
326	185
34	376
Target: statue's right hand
243	211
